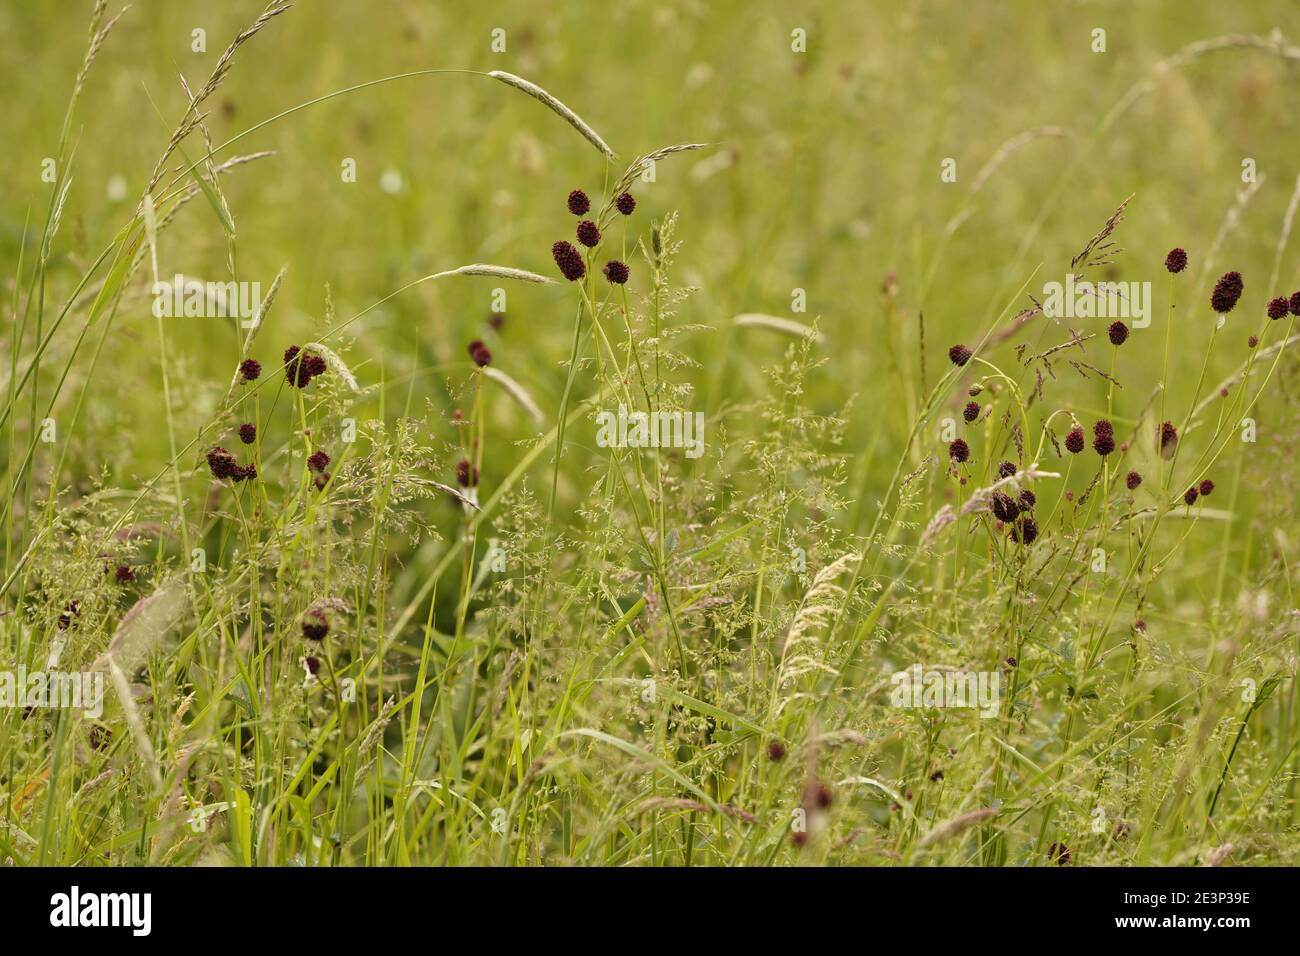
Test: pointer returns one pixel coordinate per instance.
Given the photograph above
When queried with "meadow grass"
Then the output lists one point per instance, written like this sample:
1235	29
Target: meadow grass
397	599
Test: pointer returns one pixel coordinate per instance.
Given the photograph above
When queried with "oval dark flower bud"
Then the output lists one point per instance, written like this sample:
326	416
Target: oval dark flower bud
1206	487
1027	500
466	473
776	749
1074	441
1166	440
1004	509
616	272
1278	307
1252	341
1176	261
959	355
579	203
248	433
958	450
1103	438
625	203
588	233
1006	469
1191	495
312	664
1059	853
315	626
222	463
1226	292
971	411
480	353
1132	480
1025	531
318	460
123	574
569	260
1118	333
1294	303
250	369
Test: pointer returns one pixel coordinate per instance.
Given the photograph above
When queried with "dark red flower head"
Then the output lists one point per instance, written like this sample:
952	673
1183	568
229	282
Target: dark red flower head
1025	531
1006	469
1252	341
466	474
315	626
248	433
480	353
1206	487
1294	303
776	749
616	271
588	233
569	260
222	463
318	460
1277	308
958	450
625	203
1176	261
1004	508
1074	441
301	367
313	664
1226	292
579	203
1191	495
123	574
1132	480
1118	333
250	369
959	355
1167	440
971	411
1027	500
1103	438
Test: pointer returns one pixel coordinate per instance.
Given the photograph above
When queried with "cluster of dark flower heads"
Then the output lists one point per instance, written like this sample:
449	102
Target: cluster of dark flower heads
566	255
223	466
301	367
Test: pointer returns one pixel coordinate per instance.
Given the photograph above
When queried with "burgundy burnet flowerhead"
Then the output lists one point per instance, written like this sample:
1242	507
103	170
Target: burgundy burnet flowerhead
1176	261
579	203
1003	507
1132	480
1294	303
588	233
959	355
1074	441
318	460
315	626
222	463
1166	440
971	411
958	450
1252	341
466	473
1118	333
248	433
1190	495
1025	531
775	751
1006	469
1226	292
1027	500
616	271
123	574
312	664
569	260
625	203
250	369
1103	438
1206	486
1277	308
301	367
480	353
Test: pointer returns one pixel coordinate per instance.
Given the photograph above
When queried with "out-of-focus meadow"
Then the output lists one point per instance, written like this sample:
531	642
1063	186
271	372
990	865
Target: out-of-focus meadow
654	672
